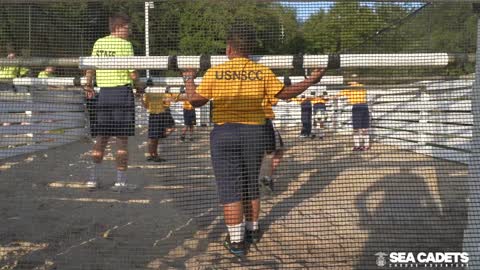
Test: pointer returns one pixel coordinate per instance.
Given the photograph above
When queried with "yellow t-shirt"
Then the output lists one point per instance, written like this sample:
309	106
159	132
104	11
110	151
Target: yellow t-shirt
318	100
267	108
12	72
154	102
238	89
44	74
357	94
187	105
300	100
111	46
169	98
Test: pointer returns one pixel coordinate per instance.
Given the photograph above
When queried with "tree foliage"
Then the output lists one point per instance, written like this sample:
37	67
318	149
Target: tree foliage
67	28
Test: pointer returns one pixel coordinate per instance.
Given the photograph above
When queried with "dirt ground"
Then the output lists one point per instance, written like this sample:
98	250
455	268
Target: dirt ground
332	208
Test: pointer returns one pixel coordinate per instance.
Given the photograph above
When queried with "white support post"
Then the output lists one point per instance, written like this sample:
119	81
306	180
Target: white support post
148	5
423	120
204	115
471	236
371	100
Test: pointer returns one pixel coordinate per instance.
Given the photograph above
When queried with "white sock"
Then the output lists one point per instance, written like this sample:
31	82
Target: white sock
121	177
251	225
356	140
366	140
236	232
94	172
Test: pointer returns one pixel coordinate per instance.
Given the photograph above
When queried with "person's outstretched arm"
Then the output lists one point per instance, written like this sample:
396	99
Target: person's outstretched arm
192	96
296	89
88	88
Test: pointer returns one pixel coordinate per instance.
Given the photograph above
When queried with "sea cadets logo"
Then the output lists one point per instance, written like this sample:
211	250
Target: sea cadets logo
243	75
423	259
381	258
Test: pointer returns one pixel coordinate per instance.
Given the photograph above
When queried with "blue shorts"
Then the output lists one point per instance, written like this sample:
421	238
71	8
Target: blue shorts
157	124
170	120
189	117
272	137
115	112
237	151
360	116
91	105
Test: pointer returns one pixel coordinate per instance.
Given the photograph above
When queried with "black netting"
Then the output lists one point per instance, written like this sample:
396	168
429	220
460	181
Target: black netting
238	135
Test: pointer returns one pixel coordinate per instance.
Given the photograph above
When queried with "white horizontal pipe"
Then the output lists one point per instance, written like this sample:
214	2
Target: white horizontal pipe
326	80
162	89
313	91
272	61
167	81
188	62
130	62
54	81
178	81
44	81
315	61
394	60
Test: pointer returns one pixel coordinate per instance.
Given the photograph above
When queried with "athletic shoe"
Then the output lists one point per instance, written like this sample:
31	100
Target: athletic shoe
303	136
237	249
191	139
182	138
252	237
357	148
91	184
123	187
313	136
155	159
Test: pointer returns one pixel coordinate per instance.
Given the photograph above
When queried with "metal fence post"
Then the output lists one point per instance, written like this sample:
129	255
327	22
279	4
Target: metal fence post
471	238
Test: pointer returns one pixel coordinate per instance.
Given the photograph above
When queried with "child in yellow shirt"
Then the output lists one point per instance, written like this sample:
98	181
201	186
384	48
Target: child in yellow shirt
157	123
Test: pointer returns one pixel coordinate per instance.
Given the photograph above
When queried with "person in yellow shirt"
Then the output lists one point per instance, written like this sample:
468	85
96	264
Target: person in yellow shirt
157	123
320	114
189	118
13	72
238	89
115	107
168	98
356	95
48	72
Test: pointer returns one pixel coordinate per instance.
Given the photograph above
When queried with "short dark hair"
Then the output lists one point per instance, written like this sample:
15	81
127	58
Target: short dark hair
10	49
242	37
118	19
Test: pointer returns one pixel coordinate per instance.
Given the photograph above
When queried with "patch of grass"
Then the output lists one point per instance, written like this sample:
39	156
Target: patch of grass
56	131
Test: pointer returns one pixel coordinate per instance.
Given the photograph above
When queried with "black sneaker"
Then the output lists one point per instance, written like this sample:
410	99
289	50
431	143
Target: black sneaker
155	159
182	138
237	249
252	237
